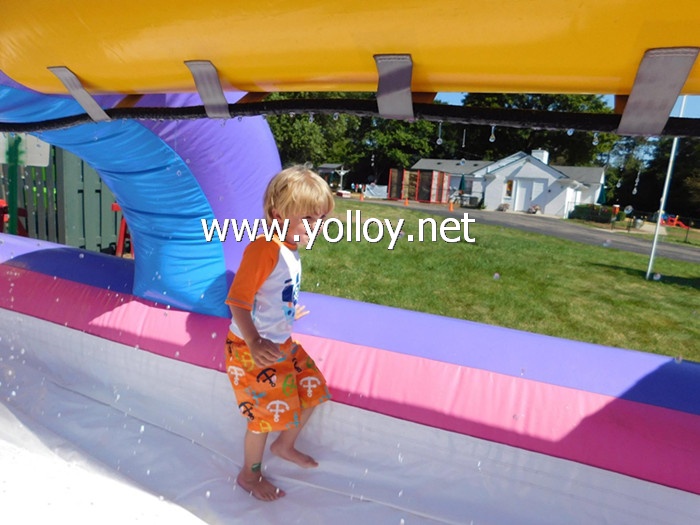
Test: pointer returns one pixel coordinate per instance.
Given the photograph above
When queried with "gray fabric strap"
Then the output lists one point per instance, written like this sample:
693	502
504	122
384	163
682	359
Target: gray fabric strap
660	78
206	79
394	99
78	92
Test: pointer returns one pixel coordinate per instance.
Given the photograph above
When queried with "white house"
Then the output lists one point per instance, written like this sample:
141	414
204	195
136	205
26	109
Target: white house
521	181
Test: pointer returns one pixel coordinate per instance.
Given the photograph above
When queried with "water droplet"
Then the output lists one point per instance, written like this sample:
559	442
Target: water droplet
492	138
400	458
207	494
569	132
148	472
142	429
213	335
400	493
81	256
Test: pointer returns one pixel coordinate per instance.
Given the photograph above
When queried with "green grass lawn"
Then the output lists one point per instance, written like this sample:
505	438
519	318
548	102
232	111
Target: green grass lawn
518	280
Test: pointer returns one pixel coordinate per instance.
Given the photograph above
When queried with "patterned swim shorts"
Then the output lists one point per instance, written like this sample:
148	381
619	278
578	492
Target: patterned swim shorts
272	397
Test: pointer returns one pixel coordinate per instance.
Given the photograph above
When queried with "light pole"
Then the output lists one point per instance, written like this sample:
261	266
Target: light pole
341	172
664	194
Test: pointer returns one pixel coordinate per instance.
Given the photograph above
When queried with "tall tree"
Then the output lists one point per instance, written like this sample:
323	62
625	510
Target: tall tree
572	148
369	147
684	190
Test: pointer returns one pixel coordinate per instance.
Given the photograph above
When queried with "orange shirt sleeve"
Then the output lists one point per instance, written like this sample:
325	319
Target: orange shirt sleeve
259	259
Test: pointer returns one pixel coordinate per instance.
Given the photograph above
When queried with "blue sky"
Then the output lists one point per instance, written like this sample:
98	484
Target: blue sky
692	106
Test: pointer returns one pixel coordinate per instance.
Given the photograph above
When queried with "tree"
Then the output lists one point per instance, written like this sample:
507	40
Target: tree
624	163
684	191
573	148
370	147
315	138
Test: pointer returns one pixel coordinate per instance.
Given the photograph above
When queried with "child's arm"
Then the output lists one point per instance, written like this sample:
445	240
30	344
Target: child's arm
264	351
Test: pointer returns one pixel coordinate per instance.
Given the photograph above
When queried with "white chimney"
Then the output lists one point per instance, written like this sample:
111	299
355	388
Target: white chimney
541	155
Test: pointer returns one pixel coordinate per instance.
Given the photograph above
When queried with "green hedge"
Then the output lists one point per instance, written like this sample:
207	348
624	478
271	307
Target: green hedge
594	213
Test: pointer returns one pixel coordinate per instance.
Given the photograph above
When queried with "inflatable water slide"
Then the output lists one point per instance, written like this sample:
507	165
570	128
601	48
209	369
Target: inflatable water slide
115	405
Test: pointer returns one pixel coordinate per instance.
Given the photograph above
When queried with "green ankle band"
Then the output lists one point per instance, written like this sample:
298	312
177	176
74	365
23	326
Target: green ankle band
255	467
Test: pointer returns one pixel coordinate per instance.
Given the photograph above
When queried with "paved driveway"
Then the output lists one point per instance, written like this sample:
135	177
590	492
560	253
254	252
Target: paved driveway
565	230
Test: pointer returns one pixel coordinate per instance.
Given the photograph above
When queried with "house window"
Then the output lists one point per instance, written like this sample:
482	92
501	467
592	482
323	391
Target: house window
509	188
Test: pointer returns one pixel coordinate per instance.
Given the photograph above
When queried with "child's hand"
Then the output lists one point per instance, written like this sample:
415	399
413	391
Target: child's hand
301	311
264	352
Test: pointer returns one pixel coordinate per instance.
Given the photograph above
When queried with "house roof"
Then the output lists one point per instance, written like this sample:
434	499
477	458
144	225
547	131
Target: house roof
584	175
452	166
328	168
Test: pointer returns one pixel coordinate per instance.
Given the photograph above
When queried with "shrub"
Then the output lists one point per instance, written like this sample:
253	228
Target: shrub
592	212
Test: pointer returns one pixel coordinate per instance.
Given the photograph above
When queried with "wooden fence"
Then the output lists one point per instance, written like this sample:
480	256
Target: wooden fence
65	202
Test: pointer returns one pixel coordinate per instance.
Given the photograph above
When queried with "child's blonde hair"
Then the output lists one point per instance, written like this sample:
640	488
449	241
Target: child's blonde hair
297	191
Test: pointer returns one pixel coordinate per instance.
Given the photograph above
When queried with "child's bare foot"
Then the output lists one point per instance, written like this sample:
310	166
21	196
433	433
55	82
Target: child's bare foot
293	455
258	486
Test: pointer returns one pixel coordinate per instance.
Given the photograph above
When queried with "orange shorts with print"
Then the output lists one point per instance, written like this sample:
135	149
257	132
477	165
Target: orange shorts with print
272	397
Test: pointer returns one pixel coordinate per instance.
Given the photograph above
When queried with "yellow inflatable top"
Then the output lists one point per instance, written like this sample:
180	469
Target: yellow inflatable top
526	46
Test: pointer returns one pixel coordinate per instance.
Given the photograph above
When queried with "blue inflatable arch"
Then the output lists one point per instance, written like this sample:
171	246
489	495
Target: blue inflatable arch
167	176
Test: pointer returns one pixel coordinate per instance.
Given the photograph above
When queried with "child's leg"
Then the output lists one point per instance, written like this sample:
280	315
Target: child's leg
284	445
250	477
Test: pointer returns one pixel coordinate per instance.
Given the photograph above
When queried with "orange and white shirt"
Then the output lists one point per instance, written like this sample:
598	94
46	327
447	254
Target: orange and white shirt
267	284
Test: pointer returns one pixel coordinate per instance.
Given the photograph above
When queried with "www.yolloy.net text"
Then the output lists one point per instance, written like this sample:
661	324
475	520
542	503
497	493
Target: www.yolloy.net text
353	229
